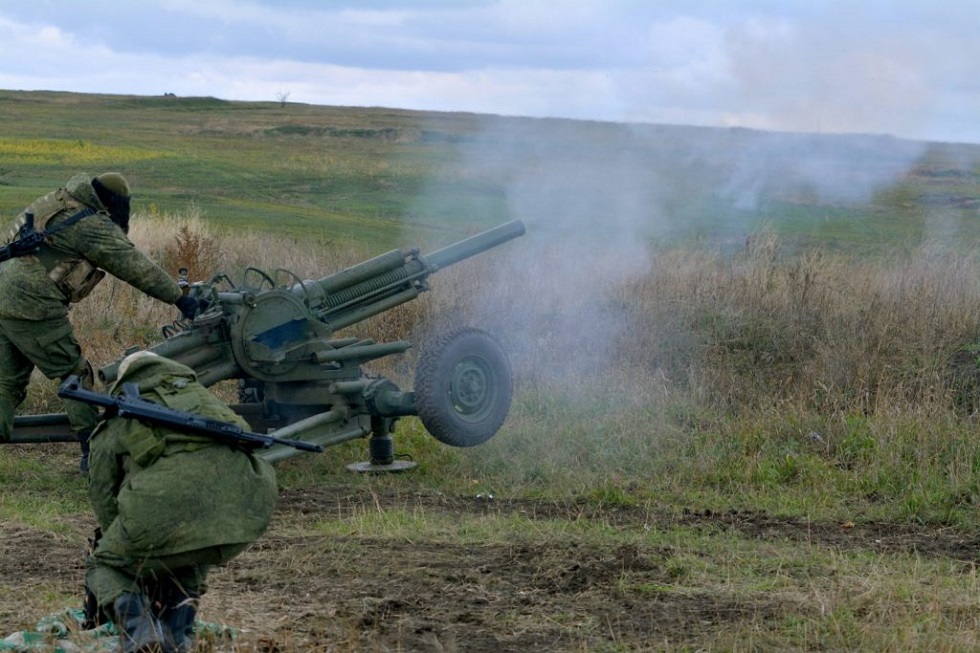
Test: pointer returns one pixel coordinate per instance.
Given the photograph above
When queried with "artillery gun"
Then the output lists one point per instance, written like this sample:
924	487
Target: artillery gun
277	334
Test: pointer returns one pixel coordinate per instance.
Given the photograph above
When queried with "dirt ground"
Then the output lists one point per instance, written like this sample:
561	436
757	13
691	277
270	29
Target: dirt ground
302	592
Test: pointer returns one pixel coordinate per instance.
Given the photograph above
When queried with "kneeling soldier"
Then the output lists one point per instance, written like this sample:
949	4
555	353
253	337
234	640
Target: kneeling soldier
170	506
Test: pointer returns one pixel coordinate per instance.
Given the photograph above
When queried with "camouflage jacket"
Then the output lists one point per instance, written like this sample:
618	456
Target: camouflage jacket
35	287
173	492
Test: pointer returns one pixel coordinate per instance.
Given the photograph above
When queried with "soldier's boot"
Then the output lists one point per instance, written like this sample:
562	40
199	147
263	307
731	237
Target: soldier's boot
179	621
139	629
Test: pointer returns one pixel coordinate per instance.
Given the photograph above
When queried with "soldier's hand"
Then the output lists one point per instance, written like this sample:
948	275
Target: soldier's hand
187	306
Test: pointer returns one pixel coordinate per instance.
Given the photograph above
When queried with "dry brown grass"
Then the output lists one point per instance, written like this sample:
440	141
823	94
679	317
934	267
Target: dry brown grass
822	332
745	331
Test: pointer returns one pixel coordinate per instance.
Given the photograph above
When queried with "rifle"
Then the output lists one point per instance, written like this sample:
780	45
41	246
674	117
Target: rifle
130	405
27	240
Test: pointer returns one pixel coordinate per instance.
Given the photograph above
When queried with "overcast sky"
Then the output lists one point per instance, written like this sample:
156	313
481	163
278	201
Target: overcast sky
908	68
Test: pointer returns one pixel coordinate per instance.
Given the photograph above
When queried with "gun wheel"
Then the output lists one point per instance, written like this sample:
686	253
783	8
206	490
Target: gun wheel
463	387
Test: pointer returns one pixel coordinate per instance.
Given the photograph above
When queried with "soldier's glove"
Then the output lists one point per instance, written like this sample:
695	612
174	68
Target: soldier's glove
187	306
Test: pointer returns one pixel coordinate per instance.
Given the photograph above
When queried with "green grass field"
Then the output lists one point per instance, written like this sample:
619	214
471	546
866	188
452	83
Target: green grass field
378	175
361	175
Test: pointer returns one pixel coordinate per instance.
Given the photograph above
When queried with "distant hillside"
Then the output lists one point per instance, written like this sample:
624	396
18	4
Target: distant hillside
389	175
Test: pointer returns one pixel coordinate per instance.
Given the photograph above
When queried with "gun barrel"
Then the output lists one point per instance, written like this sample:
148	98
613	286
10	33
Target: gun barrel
475	244
377	285
379	265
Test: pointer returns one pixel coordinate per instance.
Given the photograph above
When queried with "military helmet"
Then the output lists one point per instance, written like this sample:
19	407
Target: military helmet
113	191
115	183
143	365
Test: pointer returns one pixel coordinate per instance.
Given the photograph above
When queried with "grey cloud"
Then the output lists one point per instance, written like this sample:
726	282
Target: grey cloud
903	67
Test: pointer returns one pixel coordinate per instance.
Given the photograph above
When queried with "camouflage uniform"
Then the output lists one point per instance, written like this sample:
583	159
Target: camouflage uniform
37	289
170	505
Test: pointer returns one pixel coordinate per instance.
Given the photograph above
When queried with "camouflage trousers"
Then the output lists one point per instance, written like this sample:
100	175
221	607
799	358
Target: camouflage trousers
49	346
110	570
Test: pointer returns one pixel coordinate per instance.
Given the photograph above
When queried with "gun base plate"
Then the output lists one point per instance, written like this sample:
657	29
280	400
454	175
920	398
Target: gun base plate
371	468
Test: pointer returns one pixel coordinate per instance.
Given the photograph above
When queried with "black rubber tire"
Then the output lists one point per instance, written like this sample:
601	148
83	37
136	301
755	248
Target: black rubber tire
463	387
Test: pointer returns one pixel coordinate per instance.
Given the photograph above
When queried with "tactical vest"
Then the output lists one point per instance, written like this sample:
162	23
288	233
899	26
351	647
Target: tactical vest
74	276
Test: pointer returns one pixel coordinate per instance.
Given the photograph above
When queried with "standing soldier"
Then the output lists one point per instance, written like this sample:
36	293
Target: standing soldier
86	223
169	505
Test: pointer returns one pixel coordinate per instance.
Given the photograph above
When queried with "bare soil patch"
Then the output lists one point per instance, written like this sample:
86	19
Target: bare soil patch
310	592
